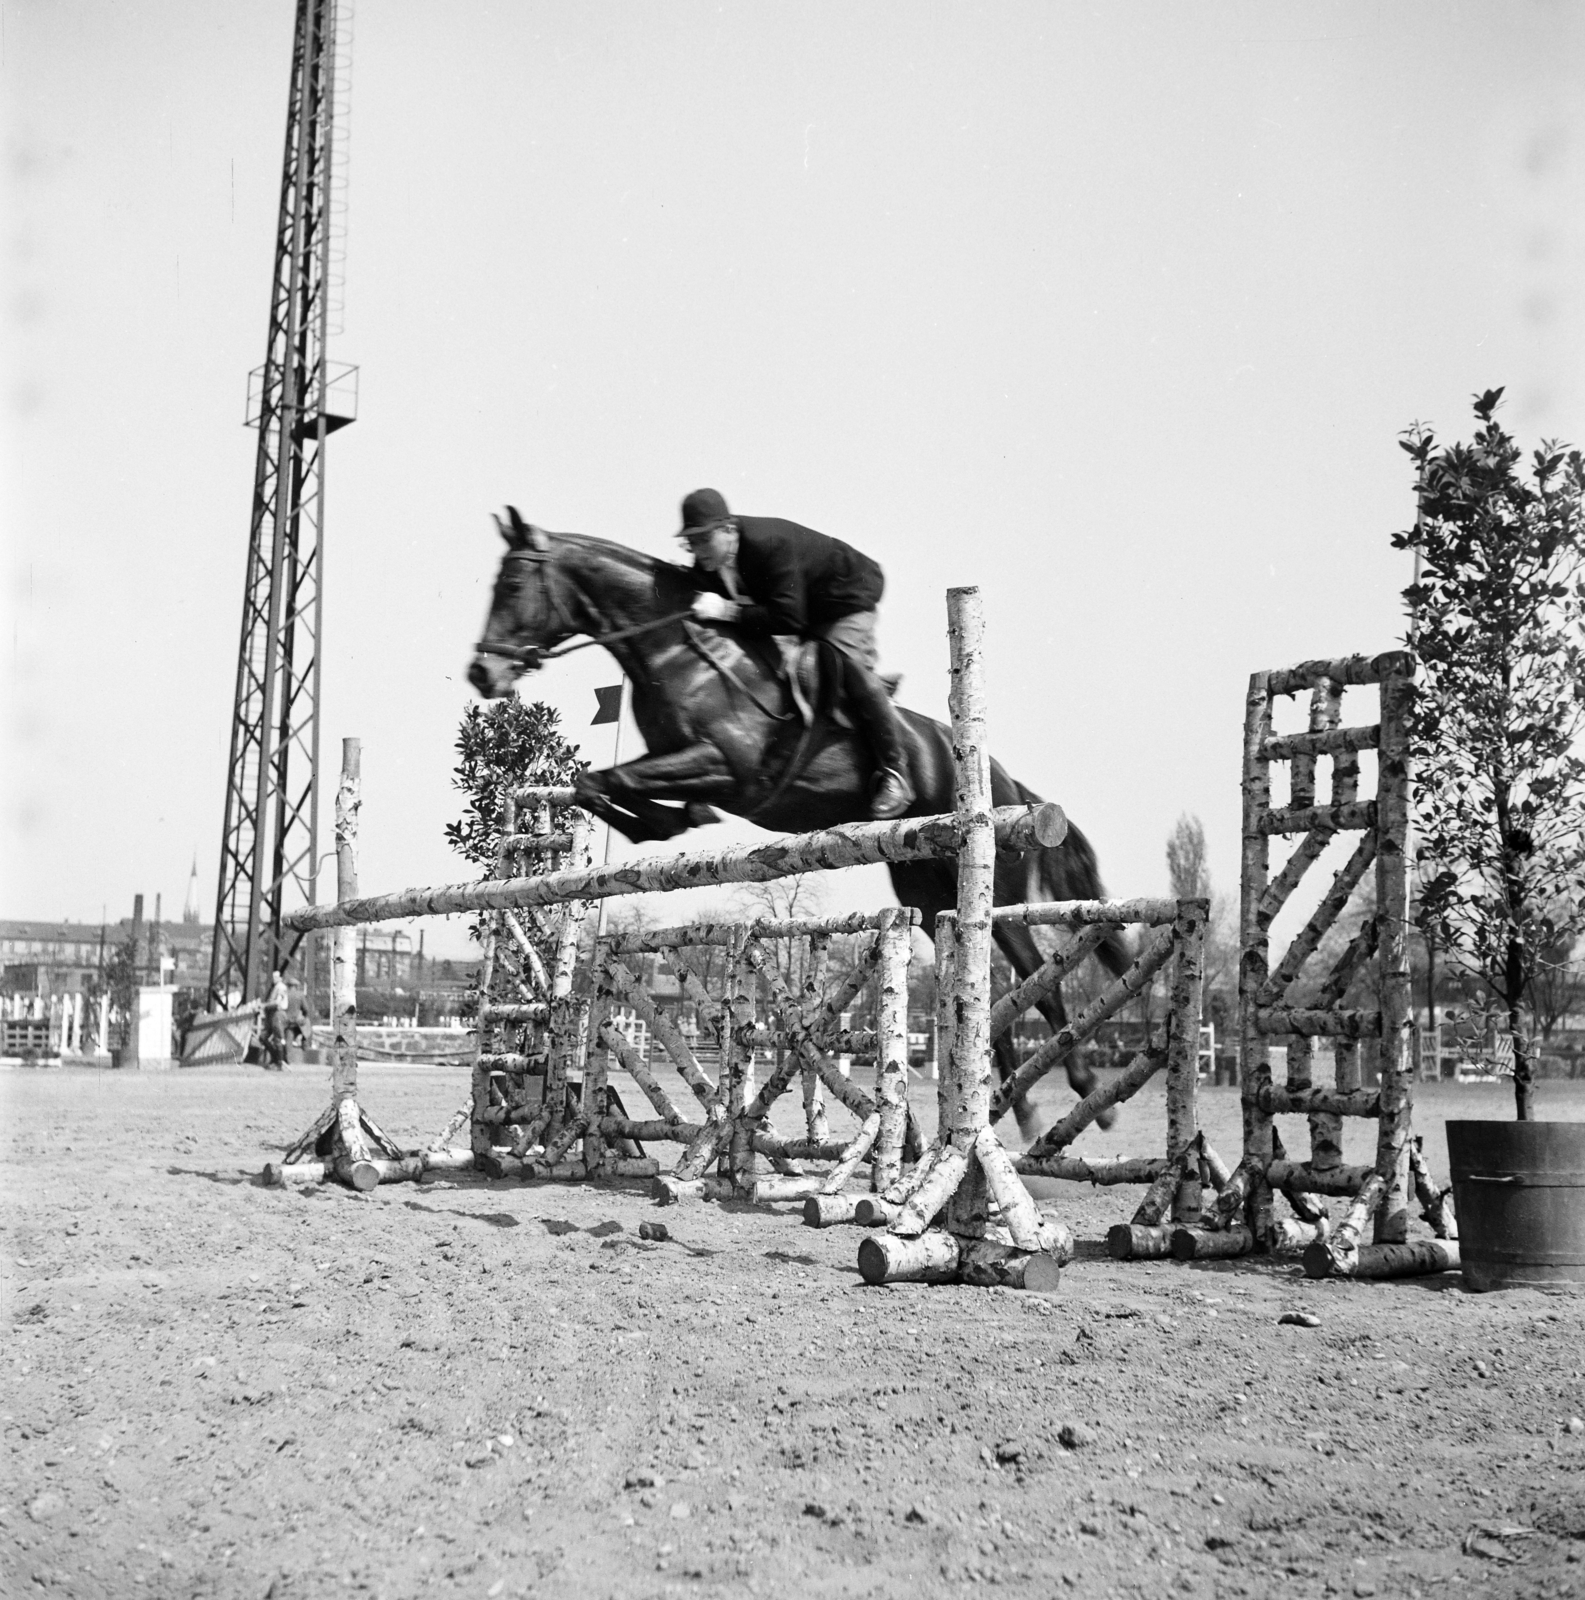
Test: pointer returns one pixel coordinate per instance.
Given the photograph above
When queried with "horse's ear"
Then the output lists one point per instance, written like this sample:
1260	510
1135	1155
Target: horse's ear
502	528
526	535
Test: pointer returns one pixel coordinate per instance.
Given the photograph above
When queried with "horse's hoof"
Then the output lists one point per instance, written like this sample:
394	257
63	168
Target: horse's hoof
700	815
1106	1118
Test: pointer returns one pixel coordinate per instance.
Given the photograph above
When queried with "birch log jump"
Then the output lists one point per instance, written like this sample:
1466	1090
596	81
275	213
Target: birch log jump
1243	1218
855	844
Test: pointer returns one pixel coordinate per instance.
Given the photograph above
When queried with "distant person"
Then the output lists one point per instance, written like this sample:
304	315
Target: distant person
296	1011
770	576
275	1004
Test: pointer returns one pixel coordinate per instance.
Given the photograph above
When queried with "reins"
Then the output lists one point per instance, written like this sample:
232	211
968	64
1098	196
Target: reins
532	653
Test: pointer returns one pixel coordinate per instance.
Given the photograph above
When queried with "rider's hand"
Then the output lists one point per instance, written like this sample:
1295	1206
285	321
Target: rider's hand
715	608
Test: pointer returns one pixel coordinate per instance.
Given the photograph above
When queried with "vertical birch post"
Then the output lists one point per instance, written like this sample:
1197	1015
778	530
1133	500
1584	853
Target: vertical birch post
352	1164
946	986
1326	711
344	1142
735	1078
344	962
568	1010
1392	950
968	1085
891	1025
1183	1055
970	1164
481	1139
1254	962
815	1121
596	1077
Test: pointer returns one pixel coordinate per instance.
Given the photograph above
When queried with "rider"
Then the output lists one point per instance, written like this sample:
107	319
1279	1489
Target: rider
772	576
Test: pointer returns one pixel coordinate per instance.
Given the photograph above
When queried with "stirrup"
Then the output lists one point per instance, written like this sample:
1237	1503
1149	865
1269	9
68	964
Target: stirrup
892	795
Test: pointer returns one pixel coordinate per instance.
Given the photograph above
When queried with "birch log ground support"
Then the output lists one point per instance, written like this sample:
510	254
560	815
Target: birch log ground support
1411	1259
831	1210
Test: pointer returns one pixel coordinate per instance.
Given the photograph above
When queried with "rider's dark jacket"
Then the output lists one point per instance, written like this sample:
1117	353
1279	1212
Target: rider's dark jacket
795	579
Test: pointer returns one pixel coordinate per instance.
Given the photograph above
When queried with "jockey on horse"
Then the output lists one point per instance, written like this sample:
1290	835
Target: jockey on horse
769	576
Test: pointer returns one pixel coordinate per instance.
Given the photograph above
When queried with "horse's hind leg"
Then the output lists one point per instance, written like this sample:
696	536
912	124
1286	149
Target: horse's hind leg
1023	954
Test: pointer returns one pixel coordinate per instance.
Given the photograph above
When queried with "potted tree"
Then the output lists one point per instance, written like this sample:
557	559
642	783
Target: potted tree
1497	613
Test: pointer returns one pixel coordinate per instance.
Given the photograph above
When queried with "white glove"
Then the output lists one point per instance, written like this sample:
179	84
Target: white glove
715	608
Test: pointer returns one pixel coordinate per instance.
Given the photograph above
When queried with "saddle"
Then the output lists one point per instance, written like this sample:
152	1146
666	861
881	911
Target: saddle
815	683
813	675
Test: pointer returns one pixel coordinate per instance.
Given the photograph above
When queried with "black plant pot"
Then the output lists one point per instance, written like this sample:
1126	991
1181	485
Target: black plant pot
1519	1192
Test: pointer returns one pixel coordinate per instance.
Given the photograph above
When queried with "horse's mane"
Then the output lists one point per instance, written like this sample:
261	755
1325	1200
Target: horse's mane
668	577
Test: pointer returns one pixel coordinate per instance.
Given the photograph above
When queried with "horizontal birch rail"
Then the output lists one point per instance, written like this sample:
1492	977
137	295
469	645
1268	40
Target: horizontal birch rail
1326	742
556	843
855	844
1301	819
504	1116
545	795
1273	1098
650	1129
654	940
789	1149
533	1011
1083	913
1101	1170
512	1061
1303	1178
1345	671
1320	1022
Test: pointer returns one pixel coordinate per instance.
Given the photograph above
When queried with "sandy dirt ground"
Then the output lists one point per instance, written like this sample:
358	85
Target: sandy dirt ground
465	1388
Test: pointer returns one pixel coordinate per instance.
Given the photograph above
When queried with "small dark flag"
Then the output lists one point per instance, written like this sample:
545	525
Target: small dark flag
610	705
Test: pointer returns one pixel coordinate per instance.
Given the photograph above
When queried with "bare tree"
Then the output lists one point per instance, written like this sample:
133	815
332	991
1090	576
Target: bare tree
1187	871
1557	987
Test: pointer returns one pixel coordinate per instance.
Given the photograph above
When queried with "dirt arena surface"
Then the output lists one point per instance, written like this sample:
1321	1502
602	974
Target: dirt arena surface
464	1388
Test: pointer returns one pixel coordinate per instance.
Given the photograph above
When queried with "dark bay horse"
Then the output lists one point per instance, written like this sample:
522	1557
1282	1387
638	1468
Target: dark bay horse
721	729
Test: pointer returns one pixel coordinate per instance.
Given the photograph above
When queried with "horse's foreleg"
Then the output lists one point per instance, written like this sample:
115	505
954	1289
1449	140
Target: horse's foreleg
698	772
632	797
640	821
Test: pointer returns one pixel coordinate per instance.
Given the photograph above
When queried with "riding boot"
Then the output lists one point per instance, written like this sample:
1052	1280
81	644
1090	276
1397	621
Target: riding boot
873	710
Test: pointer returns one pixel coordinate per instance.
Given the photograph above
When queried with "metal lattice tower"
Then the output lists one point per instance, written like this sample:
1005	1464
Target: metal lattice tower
269	851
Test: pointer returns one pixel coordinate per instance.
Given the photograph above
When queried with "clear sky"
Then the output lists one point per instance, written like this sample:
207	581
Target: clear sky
1114	311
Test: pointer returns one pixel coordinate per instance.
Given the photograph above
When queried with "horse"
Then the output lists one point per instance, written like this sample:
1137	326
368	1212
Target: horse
723	728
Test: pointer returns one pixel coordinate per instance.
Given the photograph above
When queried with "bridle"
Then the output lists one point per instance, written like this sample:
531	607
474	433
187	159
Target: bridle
530	656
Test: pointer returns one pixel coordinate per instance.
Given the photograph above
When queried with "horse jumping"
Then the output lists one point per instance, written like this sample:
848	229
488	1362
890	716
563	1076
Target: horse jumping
723	729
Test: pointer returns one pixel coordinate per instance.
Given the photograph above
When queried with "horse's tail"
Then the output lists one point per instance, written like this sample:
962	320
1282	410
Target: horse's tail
1069	871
